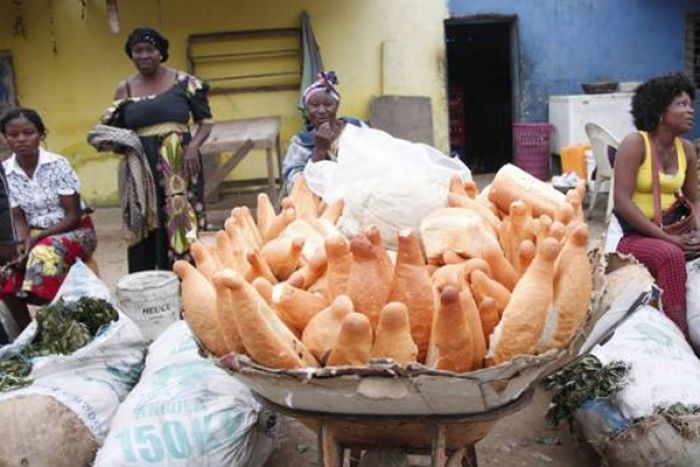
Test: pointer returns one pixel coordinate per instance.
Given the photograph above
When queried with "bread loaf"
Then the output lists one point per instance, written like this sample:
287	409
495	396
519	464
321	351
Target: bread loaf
412	287
501	269
265	337
512	184
283	254
369	282
524	318
231	253
321	332
476	327
226	313
354	342
460	230
204	260
259	267
306	203
393	337
297	306
269	224
488	312
451	346
517	227
339	261
458	201
199	308
483	286
572	292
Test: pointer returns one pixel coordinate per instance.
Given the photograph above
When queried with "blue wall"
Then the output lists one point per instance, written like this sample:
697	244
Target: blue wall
563	43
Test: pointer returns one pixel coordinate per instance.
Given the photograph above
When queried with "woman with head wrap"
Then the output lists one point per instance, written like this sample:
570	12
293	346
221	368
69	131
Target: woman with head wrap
157	103
318	140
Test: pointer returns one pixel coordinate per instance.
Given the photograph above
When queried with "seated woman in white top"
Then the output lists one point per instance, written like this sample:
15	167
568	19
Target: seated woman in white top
46	210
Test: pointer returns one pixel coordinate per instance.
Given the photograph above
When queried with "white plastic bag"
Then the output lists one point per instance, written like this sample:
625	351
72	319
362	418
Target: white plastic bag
384	181
186	411
663	368
692	300
94	379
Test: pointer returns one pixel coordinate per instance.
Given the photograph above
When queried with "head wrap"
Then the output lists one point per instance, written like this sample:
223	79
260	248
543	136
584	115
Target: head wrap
149	35
326	82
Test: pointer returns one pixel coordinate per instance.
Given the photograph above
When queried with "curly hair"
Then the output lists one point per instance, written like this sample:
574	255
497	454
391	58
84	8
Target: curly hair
30	114
653	97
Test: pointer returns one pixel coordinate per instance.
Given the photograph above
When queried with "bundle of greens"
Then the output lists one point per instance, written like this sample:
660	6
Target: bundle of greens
62	328
584	380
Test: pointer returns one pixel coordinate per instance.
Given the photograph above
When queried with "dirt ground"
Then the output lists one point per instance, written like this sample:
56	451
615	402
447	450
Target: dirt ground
522	439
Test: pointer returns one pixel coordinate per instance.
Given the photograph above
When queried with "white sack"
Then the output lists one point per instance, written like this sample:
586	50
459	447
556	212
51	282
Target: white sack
692	300
94	379
663	368
186	411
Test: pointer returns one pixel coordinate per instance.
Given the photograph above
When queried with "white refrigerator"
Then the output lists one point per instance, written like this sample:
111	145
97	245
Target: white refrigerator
569	115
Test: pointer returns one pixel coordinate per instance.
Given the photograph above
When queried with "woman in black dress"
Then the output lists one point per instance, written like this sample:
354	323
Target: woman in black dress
157	103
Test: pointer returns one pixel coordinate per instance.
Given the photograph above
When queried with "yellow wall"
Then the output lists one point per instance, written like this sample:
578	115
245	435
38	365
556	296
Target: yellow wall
71	87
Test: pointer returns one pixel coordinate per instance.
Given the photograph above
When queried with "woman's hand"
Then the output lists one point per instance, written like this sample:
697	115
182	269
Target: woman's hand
689	243
324	136
191	161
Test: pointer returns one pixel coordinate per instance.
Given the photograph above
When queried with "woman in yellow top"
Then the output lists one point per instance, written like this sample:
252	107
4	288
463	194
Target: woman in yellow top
662	108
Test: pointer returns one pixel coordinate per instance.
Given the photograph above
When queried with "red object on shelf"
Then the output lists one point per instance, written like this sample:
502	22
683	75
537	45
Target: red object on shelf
531	141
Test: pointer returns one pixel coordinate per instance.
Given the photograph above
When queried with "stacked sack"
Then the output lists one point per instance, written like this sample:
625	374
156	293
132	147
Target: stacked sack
499	274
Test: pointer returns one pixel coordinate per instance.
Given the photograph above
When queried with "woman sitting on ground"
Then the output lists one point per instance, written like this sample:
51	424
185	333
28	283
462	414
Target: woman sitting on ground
662	108
318	140
44	196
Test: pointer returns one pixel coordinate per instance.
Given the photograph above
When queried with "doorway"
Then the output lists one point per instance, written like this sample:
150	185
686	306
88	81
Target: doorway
482	85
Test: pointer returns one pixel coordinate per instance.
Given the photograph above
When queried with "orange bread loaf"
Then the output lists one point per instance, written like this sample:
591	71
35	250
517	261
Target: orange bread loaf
306	203
369	282
458	201
501	269
512	184
412	287
451	345
526	253
231	249
393	337
265	337
339	261
199	308
204	260
269	224
483	286
296	305
264	288
458	229
311	272
354	342
226	312
321	332
524	318
516	228
259	267
283	254
332	212
572	292
475	325
488	312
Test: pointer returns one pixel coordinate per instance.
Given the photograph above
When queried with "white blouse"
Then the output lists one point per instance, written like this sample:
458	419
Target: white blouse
38	196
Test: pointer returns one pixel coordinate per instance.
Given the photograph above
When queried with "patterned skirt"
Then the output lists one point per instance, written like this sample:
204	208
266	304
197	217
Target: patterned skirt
47	264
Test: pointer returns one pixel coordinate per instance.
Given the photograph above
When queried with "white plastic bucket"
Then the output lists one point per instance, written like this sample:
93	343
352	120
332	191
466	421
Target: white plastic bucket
151	299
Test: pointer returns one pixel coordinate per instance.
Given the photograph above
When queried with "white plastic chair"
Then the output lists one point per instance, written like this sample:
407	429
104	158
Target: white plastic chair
600	139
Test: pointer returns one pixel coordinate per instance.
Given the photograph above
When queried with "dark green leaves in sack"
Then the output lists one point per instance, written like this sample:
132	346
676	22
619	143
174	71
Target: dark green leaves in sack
584	380
62	328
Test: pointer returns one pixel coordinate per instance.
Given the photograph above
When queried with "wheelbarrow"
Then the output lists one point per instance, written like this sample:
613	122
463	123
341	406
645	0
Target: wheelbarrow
440	436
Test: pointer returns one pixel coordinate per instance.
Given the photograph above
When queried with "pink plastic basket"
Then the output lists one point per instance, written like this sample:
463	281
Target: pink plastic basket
531	143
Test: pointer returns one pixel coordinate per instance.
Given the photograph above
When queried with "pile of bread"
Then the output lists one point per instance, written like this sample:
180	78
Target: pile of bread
494	275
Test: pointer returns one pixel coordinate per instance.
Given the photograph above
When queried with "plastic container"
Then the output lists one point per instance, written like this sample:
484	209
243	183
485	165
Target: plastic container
531	141
573	159
151	299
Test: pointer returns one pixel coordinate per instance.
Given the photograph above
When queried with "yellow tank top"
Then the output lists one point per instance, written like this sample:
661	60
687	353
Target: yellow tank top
669	184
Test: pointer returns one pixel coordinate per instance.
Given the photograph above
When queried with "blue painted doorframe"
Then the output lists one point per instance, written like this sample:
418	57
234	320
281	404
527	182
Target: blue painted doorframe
563	43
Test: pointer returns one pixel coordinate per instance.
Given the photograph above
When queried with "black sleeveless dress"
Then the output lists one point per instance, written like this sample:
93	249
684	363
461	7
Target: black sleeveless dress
161	123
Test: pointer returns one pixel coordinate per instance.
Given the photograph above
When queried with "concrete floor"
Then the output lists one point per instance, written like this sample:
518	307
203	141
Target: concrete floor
512	442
